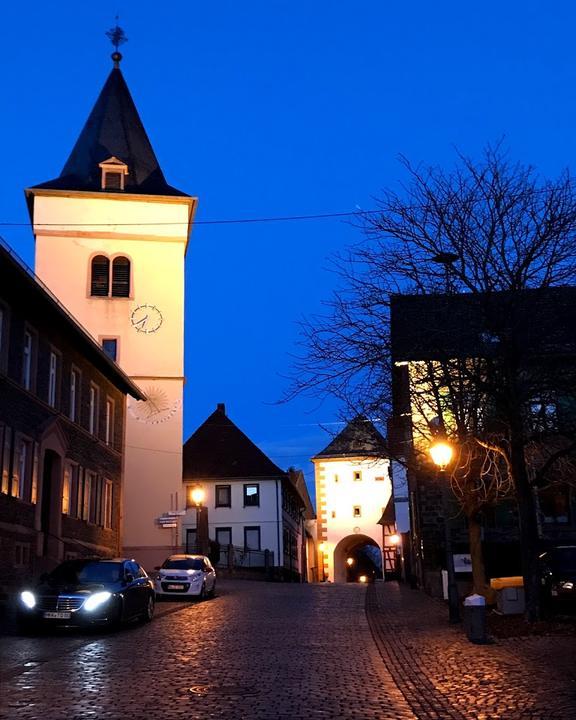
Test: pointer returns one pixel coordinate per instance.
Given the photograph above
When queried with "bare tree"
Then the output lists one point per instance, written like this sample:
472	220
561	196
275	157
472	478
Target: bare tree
490	230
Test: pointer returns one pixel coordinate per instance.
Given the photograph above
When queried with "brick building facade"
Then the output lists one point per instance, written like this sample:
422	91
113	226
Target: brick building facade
62	417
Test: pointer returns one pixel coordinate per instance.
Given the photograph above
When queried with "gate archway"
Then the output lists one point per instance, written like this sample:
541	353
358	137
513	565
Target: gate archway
357	555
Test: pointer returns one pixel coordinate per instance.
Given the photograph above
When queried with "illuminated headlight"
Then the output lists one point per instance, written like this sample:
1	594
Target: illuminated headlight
28	599
94	601
566	585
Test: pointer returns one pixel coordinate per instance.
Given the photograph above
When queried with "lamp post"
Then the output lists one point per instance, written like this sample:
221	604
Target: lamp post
441	453
198	496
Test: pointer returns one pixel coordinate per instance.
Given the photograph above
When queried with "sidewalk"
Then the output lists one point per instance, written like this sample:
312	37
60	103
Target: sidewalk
442	675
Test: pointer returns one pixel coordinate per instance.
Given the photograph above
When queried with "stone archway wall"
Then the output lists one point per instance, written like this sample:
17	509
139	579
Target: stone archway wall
348	545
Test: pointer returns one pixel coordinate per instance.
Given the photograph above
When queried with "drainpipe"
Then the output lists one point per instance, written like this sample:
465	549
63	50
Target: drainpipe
278	525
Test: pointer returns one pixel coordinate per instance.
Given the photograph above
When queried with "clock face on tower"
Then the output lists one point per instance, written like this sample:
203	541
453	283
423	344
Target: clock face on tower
157	408
146	318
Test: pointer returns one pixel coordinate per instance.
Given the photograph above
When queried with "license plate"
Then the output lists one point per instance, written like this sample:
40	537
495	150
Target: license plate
174	587
57	615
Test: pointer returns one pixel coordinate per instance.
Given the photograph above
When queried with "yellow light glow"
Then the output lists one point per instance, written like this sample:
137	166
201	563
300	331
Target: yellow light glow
363	579
394	539
441	453
350	562
322	546
197	495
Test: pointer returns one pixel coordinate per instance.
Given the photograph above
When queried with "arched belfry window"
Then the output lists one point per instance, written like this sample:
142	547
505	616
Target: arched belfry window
121	277
100	276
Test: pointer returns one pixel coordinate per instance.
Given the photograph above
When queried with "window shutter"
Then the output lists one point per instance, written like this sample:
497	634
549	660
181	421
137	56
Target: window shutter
121	277
100	281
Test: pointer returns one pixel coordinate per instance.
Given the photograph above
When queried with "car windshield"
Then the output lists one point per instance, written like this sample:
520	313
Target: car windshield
563	559
82	571
183	564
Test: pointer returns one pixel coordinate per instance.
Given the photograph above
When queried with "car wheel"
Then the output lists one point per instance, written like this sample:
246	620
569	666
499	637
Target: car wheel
148	613
202	594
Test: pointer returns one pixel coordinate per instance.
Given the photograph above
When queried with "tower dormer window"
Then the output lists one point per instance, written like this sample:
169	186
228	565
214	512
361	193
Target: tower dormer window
114	172
100	281
110	278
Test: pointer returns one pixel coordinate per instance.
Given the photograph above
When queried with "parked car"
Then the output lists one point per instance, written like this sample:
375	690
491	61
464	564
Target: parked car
186	575
88	592
558	575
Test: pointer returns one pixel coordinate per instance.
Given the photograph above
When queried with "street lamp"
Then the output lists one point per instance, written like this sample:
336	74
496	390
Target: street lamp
441	453
198	496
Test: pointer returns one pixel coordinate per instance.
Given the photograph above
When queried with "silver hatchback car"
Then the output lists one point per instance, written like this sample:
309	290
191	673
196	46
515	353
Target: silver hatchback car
185	575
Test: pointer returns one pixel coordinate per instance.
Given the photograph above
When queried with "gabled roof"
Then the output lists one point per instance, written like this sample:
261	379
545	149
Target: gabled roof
358	439
113	129
219	449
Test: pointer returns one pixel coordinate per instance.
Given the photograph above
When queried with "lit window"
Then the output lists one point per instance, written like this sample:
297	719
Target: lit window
66	485
108	496
251	496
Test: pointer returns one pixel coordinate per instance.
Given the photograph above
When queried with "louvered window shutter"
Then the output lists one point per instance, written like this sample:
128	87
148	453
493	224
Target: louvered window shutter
121	277
100	281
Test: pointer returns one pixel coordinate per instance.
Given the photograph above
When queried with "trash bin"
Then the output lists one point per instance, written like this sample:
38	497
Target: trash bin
509	595
475	618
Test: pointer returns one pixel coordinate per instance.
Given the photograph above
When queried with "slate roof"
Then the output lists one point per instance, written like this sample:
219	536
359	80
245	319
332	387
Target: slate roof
219	449
114	129
542	321
358	439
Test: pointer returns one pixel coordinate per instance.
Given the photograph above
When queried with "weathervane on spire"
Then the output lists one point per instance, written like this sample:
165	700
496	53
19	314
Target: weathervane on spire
117	37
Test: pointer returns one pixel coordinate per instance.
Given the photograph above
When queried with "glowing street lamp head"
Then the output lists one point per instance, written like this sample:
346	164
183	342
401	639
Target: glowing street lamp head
197	495
350	561
441	453
394	539
322	546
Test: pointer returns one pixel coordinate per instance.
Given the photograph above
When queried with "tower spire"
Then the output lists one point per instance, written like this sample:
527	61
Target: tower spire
117	37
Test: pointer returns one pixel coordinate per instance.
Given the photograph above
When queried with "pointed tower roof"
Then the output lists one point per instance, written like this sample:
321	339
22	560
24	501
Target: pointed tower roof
113	129
219	449
358	439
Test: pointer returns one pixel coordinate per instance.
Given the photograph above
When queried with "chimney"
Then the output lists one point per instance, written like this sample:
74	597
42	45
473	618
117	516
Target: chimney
220	407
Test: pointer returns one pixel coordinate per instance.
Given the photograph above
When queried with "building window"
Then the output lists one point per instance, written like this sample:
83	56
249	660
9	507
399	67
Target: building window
224	536
94	407
251	495
114	173
380	478
110	347
100	277
73	413
87	495
53	379
357	511
109	428
66	491
121	277
252	538
357	475
223	496
21	555
108	497
27	361
555	505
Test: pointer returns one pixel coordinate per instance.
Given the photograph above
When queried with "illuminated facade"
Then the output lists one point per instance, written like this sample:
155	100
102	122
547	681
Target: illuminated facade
111	238
353	490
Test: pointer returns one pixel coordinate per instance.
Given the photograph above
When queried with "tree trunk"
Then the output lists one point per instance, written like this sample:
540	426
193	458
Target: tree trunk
529	538
480	586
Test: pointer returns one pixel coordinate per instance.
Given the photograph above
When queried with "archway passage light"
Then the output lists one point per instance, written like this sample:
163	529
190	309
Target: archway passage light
441	453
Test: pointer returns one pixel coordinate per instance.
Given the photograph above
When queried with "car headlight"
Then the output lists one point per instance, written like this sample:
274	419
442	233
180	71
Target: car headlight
566	585
94	601
28	599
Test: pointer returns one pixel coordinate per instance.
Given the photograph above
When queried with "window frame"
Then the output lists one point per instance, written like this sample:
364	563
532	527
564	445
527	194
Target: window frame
252	528
218	488
246	496
220	530
108	505
356	511
55	359
109	424
75	394
29	356
94	409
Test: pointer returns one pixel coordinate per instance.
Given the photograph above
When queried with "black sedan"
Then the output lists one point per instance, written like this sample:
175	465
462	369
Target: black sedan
558	575
89	592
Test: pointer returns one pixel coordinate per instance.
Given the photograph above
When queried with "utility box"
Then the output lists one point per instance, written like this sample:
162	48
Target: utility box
475	618
509	595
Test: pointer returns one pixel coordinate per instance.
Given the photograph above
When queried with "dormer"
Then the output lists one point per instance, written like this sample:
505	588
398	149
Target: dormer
113	173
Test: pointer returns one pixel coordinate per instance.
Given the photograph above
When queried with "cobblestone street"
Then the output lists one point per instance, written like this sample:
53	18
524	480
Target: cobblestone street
271	651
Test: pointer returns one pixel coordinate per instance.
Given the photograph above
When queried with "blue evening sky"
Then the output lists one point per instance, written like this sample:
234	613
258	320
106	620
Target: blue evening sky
273	108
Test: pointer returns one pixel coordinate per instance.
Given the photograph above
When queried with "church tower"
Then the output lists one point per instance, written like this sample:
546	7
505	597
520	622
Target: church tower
111	238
